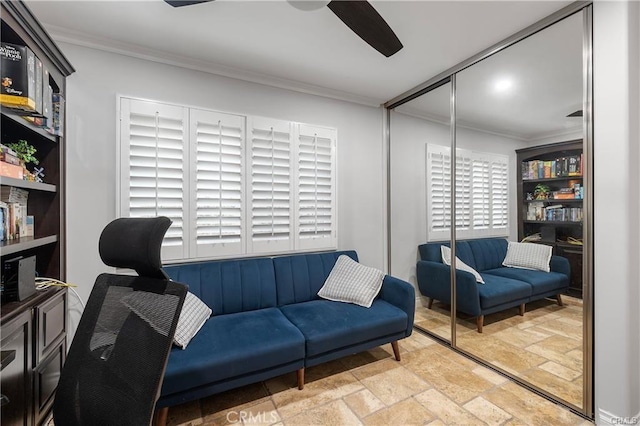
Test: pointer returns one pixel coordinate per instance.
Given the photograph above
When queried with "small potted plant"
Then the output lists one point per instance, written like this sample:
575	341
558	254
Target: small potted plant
25	153
541	191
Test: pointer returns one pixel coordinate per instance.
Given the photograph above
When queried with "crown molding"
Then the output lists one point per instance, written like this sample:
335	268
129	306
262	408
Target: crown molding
78	38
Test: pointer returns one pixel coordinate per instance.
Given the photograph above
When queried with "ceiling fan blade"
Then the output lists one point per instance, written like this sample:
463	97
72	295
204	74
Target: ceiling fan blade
180	3
367	23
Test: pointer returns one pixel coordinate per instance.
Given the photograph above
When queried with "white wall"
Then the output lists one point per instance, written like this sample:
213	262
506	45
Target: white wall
91	147
617	224
409	137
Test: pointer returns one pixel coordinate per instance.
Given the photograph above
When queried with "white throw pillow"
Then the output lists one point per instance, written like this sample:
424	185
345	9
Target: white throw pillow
460	265
528	256
192	317
352	282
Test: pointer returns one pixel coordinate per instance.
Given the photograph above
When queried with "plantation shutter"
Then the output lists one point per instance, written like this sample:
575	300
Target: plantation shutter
217	204
480	187
152	161
438	192
315	168
463	190
482	194
499	193
270	201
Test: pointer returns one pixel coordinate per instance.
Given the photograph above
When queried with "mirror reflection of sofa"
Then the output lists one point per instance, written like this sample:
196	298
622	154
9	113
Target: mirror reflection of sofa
503	287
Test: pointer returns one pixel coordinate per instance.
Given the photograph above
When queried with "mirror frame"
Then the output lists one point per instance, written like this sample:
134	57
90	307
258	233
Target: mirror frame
449	75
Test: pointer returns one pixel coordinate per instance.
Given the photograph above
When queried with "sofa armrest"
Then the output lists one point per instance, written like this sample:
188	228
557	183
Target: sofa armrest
560	264
401	294
434	281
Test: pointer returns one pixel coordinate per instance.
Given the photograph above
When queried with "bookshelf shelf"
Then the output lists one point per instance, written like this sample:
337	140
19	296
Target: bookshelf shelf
25	243
556	201
553	179
25	184
555	222
9	116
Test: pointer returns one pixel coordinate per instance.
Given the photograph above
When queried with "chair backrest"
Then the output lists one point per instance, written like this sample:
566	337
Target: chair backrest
116	362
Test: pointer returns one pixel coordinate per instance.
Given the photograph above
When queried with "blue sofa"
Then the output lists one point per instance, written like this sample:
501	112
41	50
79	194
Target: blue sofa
504	287
268	320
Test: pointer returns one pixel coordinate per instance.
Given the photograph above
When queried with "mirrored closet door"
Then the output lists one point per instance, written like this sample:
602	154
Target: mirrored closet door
501	145
421	142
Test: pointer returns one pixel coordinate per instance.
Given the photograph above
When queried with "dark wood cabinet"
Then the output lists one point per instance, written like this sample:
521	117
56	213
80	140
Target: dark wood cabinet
35	332
555	216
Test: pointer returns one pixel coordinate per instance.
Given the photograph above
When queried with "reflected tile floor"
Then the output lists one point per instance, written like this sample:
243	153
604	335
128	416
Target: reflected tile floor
432	385
544	346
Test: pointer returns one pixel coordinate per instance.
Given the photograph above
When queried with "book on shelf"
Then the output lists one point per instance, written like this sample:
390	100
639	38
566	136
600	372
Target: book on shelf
13	203
549	169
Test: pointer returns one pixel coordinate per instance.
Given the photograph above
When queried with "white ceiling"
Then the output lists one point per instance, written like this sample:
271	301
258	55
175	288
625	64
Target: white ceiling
274	43
544	77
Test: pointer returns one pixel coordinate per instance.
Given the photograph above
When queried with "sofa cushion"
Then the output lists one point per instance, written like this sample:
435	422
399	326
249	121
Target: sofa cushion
300	277
498	290
229	286
528	256
328	325
352	282
193	315
488	253
460	265
232	345
541	282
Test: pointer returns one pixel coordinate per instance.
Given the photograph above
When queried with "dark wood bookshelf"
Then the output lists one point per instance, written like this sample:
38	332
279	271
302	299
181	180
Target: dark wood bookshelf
42	317
560	229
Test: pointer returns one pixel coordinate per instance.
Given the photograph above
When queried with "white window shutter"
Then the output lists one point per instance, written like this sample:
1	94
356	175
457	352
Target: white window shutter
153	155
499	193
480	194
316	222
463	190
269	186
438	192
217	173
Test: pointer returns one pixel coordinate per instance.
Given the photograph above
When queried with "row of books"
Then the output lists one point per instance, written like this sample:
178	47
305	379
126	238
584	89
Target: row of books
548	169
16	223
10	164
555	213
25	88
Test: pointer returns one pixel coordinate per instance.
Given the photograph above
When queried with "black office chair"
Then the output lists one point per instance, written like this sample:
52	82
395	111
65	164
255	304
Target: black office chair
116	363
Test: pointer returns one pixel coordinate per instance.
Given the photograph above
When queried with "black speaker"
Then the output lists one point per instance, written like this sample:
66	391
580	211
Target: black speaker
548	234
19	278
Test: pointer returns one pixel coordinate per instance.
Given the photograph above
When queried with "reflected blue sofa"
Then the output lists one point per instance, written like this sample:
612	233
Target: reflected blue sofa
268	320
504	287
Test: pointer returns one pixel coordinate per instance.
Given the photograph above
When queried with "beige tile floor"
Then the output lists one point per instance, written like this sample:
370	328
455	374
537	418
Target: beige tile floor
431	385
544	346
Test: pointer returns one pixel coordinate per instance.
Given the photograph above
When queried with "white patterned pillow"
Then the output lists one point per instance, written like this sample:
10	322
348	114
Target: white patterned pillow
352	282
460	265
528	256
192	317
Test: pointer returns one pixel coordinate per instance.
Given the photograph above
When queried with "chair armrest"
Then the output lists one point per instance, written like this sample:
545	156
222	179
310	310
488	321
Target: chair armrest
434	281
401	294
560	264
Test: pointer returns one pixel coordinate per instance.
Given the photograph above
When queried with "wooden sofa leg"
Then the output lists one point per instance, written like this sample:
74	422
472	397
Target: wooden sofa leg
301	378
521	310
429	302
559	299
396	350
480	322
160	416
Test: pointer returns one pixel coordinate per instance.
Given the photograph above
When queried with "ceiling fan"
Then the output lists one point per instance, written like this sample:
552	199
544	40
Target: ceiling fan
359	15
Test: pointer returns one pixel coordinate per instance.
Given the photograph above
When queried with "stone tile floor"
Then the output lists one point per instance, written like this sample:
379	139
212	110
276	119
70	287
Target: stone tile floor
544	347
431	385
